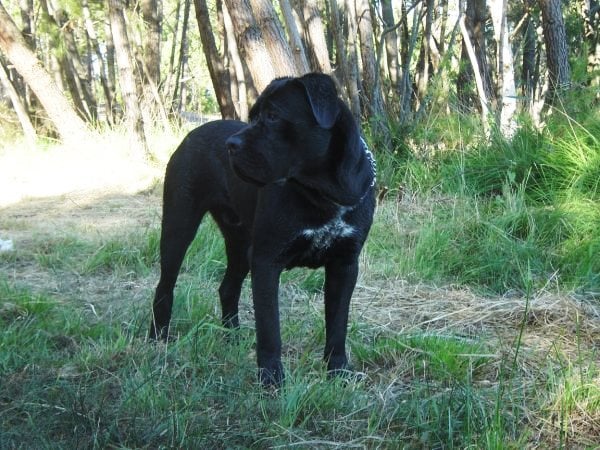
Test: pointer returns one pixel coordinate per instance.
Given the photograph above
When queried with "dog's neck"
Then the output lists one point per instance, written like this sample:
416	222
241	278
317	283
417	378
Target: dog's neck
320	198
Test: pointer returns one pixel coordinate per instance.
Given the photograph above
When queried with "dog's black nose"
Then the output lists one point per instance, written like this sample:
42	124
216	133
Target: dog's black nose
233	144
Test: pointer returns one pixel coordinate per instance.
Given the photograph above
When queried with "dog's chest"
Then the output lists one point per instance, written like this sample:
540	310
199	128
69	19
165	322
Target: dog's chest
321	238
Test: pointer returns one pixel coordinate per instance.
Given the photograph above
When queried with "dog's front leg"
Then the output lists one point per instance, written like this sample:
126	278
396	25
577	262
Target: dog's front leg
265	289
340	279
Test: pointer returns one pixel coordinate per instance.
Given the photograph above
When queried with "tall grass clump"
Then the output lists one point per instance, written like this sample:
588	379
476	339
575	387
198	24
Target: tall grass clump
494	206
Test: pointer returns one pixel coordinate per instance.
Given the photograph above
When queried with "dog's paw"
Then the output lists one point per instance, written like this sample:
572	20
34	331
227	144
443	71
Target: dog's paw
271	377
338	367
159	334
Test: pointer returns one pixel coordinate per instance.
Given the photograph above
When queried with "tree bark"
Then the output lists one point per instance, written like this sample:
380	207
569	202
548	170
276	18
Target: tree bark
178	94
528	63
507	105
297	47
238	66
274	38
127	77
75	72
251	44
218	73
485	109
107	89
476	15
391	45
20	110
424	63
314	32
373	100
152	16
591	17
557	56
68	124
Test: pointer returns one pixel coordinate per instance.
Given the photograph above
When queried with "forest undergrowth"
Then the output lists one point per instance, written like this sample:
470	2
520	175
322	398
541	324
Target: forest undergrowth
476	319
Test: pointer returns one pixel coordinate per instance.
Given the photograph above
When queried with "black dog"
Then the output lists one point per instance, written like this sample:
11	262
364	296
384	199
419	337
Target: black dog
295	187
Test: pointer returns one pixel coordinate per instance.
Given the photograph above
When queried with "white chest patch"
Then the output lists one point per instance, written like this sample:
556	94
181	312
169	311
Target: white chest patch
323	236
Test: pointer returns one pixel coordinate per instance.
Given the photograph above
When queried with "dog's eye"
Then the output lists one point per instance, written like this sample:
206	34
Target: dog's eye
270	116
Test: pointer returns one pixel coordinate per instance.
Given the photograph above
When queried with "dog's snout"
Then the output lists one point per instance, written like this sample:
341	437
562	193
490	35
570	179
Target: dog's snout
233	143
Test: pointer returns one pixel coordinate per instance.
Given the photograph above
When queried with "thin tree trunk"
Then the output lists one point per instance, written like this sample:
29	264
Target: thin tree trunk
111	69
528	62
238	67
507	106
391	45
409	42
353	84
20	110
297	47
178	95
152	16
591	17
105	81
127	78
315	34
373	102
68	124
424	58
557	55
476	15
218	73
485	109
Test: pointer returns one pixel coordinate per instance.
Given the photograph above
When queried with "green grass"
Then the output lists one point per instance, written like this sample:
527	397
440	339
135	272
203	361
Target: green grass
515	221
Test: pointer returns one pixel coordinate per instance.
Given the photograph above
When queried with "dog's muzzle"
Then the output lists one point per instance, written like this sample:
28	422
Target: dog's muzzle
233	144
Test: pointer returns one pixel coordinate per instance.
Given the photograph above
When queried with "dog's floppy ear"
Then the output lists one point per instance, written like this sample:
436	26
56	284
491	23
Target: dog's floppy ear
322	96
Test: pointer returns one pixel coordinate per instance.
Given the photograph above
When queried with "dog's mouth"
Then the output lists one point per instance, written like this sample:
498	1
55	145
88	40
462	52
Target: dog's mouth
254	180
243	175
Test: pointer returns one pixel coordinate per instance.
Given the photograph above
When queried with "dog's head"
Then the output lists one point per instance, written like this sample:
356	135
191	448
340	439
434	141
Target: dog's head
301	132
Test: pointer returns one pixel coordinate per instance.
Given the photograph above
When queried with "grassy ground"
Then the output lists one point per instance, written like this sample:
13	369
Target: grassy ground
450	361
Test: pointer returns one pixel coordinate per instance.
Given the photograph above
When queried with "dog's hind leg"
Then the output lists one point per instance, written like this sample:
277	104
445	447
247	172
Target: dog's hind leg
237	243
181	218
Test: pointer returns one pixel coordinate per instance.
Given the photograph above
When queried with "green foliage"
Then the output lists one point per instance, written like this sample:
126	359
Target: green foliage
485	209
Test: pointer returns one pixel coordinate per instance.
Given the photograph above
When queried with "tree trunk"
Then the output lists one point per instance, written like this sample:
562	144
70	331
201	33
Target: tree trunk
408	41
178	95
75	72
557	56
274	38
111	70
238	66
373	100
251	44
391	45
152	16
218	73
591	17
353	84
68	124
424	63
297	47
479	78
528	64
127	77
315	34
20	110
107	89
507	105
476	15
